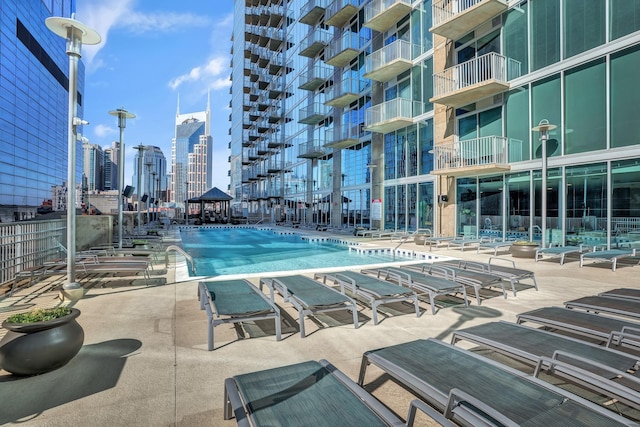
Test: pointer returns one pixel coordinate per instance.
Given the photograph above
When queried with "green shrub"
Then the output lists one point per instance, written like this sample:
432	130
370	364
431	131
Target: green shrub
39	315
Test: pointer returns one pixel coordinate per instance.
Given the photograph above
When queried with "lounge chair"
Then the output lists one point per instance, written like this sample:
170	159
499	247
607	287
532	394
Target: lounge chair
558	252
600	304
494	246
594	367
309	394
235	301
630	293
465	242
473	390
421	283
511	273
611	330
476	280
611	256
134	267
309	297
375	291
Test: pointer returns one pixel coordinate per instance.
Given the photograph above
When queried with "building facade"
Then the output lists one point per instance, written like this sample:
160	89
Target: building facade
93	166
33	106
191	157
153	174
404	115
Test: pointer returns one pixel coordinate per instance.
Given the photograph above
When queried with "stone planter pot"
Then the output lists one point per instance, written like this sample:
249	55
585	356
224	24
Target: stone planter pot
524	251
36	348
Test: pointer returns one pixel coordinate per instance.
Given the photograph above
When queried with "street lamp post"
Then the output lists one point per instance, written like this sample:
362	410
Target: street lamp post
140	149
148	164
75	33
153	191
186	204
544	127
122	116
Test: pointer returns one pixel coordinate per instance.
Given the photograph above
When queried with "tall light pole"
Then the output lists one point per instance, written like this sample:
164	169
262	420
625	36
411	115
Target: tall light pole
122	116
153	191
148	164
140	149
544	127
75	33
186	204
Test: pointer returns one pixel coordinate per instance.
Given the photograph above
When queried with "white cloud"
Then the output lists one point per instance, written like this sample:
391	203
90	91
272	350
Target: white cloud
209	73
102	131
104	16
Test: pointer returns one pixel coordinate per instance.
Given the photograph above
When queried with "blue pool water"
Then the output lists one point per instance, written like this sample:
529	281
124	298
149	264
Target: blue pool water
224	251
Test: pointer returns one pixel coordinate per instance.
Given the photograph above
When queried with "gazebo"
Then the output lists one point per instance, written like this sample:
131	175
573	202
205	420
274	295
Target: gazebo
213	196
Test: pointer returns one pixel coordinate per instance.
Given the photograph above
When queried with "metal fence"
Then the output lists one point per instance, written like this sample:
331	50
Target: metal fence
28	244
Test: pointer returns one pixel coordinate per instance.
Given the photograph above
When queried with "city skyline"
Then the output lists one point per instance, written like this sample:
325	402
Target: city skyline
185	46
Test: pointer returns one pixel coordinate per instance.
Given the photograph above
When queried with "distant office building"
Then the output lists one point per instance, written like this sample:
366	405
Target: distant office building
153	178
93	167
191	156
34	102
111	166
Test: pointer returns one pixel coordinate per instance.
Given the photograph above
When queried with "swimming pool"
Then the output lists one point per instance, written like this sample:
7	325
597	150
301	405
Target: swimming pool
230	251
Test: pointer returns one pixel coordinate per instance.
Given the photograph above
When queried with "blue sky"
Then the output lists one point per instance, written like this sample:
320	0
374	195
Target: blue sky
153	51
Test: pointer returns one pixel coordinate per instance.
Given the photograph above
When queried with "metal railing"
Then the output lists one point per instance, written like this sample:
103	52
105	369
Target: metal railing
473	152
398	108
491	66
178	249
397	50
376	7
29	244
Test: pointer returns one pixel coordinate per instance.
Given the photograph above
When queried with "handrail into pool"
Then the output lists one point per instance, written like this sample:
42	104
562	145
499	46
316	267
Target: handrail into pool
181	251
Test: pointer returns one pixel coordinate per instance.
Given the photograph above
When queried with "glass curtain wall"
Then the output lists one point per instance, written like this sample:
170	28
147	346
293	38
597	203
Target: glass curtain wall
586	212
625	202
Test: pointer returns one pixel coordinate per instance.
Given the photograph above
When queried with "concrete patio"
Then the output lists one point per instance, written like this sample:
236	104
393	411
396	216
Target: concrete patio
145	360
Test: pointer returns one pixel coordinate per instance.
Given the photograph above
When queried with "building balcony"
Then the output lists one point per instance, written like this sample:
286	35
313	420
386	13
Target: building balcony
478	78
344	93
312	11
339	12
454	19
386	63
312	149
313	114
392	115
245	176
276	87
315	77
380	15
344	136
314	43
489	154
340	52
274	114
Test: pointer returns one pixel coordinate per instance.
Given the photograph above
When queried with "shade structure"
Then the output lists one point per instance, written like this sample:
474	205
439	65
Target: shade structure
214	195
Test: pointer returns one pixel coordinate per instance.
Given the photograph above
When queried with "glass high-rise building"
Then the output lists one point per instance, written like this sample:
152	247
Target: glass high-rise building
33	106
403	114
191	156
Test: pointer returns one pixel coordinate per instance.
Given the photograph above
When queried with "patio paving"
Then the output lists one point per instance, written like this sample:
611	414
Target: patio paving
145	360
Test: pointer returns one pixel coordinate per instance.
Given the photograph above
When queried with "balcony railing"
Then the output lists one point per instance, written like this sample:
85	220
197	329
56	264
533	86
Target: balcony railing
312	149
380	15
345	92
340	12
473	80
342	50
313	114
454	19
312	11
389	61
344	136
392	115
314	42
315	77
485	154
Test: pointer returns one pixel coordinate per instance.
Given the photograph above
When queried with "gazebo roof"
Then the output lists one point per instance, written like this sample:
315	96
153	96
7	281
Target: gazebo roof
213	195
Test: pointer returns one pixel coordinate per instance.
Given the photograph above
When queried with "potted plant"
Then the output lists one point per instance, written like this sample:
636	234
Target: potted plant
468	215
40	340
524	249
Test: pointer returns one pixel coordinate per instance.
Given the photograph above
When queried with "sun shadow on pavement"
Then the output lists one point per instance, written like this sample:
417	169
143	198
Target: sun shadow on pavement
96	368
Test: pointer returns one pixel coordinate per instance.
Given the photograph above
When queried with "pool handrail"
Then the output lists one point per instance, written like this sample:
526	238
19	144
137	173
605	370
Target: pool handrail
181	251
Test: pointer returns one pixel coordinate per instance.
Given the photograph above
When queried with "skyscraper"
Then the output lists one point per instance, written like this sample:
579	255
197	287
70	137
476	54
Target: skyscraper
191	156
154	172
408	114
34	100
